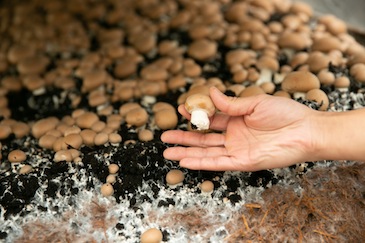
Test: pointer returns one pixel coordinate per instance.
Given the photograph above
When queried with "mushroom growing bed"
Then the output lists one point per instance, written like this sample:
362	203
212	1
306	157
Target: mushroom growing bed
87	88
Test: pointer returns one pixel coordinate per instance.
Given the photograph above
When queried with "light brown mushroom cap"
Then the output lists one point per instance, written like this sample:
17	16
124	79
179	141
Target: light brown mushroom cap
20	129
166	119
326	77
25	169
358	72
93	79
203	49
162	106
145	135
115	138
282	93
63	155
152	235
294	40
267	62
174	177
101	138
88	136
342	82
207	186
251	91
318	96
326	44
17	156
333	24
44	125
107	189
33	65
137	117
86	120
301	7
125	108
300	81
268	87
201	102
46	141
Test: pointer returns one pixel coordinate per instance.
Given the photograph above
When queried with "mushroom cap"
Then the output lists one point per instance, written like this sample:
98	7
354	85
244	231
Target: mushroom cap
166	119
326	44
251	91
317	61
174	177
266	62
202	49
152	235
342	82
293	40
358	72
333	24
200	101
137	117
17	156
318	96
300	81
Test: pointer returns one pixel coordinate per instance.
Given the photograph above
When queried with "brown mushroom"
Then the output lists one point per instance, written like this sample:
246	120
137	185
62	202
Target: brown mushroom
318	96
358	72
137	117
201	107
300	81
203	49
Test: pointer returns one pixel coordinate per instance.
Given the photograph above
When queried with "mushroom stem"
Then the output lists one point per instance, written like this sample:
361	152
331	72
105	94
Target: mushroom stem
200	119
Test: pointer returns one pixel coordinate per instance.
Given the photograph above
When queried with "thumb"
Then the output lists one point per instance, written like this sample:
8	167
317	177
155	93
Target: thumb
233	106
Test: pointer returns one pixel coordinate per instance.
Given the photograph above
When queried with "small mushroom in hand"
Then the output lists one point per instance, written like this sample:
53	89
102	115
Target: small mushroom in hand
200	107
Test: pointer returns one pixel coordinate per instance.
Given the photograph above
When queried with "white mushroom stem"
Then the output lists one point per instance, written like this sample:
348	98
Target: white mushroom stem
265	76
298	95
200	119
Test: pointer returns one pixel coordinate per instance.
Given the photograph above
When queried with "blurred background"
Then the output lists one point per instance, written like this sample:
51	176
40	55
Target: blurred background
351	11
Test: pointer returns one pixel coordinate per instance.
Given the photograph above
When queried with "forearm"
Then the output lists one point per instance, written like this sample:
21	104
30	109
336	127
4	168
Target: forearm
339	135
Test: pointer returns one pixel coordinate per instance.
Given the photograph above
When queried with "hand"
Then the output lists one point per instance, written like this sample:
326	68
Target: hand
256	133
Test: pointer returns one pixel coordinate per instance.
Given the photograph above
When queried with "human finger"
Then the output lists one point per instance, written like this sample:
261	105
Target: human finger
219	121
219	163
179	153
184	112
234	106
193	138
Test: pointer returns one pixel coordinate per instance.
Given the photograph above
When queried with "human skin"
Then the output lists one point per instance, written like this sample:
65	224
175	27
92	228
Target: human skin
265	132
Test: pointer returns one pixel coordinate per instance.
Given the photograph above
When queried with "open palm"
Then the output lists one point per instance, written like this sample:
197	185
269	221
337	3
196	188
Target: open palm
253	133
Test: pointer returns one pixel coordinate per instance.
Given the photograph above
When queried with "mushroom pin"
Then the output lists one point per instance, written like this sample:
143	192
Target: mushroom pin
200	107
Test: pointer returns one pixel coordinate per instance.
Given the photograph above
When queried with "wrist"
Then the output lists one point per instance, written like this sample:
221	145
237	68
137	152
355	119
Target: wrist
337	135
322	123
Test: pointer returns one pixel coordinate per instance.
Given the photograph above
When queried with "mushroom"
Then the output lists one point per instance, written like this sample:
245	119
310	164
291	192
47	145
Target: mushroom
342	83
17	156
300	82
202	49
152	235
251	91
107	189
137	117
326	77
145	135
166	119
358	72
207	186
175	177
318	96
201	107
